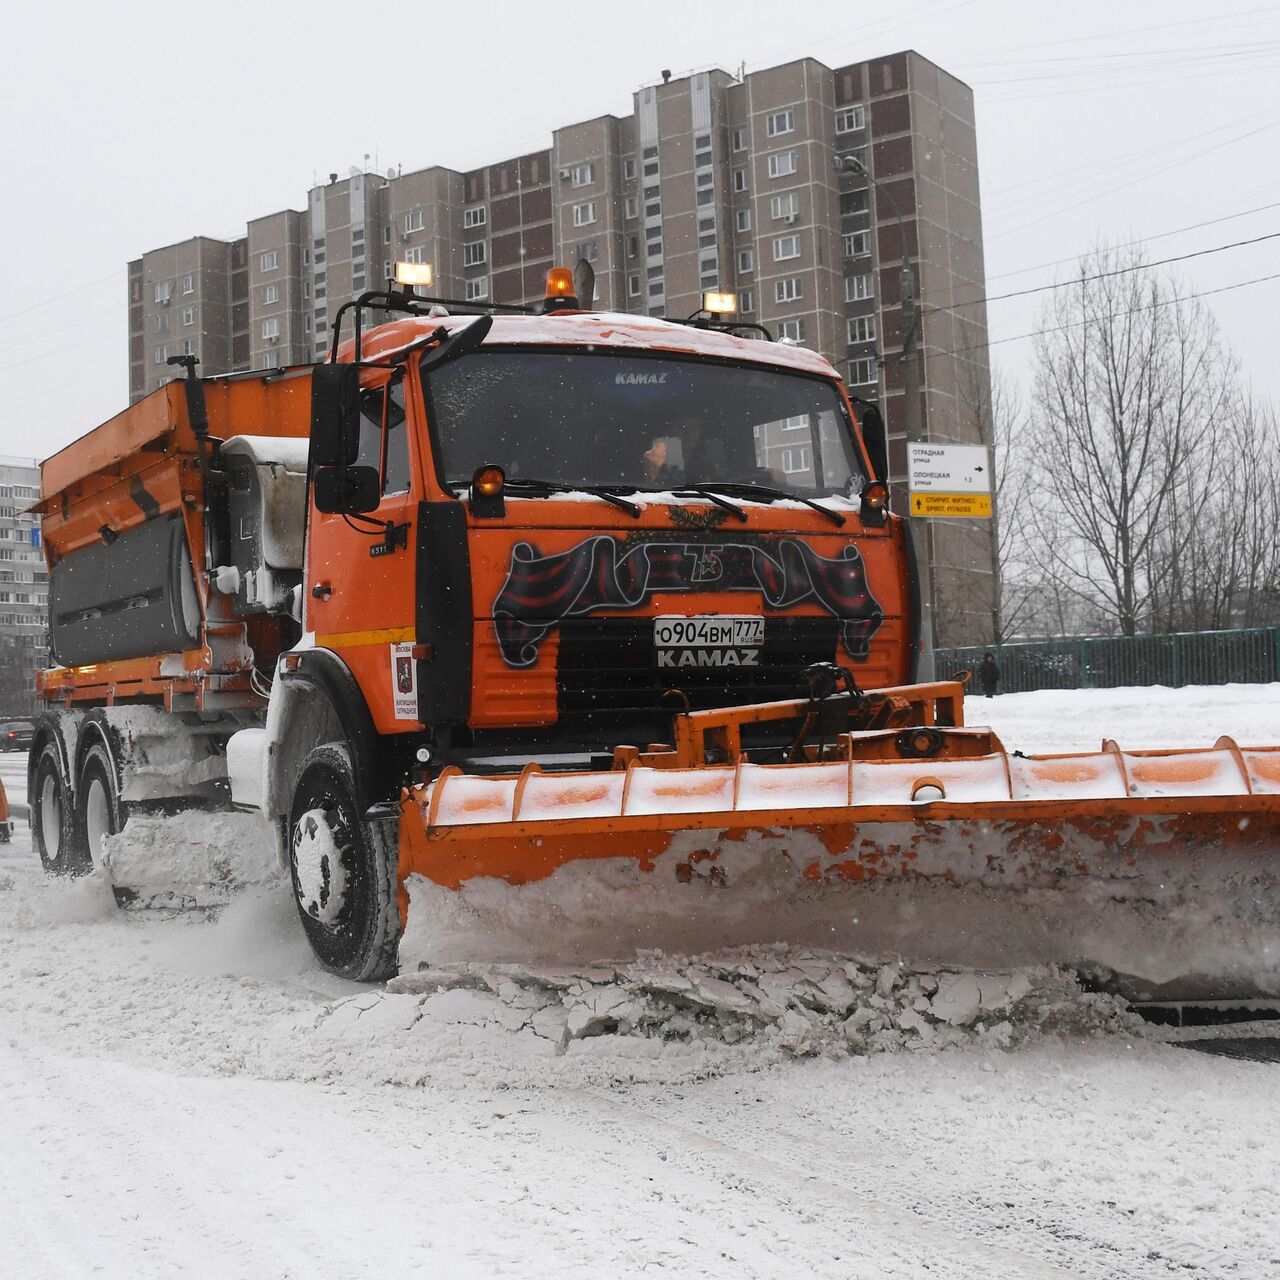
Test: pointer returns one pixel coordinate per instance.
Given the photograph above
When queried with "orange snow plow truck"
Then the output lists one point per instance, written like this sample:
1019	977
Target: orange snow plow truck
509	594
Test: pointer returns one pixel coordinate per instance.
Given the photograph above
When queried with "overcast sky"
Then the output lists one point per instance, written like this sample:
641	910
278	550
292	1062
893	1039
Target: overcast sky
132	125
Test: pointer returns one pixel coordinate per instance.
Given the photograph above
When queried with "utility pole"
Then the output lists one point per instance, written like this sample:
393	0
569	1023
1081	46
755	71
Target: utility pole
918	529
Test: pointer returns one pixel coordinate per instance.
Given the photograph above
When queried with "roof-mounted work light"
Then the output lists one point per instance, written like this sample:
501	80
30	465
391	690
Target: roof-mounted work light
720	304
414	273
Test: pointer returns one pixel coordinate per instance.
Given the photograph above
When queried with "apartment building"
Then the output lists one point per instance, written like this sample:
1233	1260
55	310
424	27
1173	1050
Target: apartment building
24	588
712	182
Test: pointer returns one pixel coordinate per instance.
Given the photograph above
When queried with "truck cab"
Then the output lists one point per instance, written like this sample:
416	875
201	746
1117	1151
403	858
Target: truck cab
586	522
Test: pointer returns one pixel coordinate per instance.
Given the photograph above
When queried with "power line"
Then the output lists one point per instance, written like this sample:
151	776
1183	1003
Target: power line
1115	315
1106	275
1162	235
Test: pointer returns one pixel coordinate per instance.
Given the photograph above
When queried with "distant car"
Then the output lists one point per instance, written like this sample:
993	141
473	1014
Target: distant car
15	735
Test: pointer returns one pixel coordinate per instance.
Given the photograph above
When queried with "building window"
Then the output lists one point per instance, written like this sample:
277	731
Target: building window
782	163
584	214
793	329
474	253
850	118
161	355
270	294
739	137
271	329
188	284
386	235
787	206
780	122
476	216
788	289
857	287
306	288
862	373
188	347
746	260
188	315
857	244
631	207
633	246
306	324
633	286
744	219
785	247
862	329
795	459
704	180
162	323
417	254
269	261
582	175
164	290
746	301
628	170
413	221
706	197
478	288
740	180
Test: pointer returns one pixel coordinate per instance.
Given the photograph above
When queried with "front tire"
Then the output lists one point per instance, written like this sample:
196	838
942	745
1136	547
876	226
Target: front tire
343	870
53	827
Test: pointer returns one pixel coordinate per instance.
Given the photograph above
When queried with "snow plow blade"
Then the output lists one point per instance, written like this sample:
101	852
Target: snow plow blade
916	797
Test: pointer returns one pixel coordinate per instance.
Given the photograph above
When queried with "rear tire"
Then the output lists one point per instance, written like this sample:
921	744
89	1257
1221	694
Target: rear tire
343	870
53	827
99	812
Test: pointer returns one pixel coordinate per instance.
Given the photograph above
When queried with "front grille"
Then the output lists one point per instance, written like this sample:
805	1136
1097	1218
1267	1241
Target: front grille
607	678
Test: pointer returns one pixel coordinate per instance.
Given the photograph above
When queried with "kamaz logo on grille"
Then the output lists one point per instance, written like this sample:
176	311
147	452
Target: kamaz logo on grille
639	379
708	657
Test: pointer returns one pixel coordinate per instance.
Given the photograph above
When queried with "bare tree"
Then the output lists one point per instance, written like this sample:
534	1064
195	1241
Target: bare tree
1128	377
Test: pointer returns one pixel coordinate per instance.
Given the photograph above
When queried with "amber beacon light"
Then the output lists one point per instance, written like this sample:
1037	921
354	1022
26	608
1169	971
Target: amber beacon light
560	288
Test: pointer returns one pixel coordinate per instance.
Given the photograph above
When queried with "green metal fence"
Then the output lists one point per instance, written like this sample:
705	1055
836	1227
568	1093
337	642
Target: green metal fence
1103	662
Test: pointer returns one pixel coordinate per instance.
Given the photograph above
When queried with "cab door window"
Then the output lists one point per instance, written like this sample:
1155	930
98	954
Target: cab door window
395	470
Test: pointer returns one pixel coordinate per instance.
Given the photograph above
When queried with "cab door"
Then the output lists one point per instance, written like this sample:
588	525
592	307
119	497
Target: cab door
360	568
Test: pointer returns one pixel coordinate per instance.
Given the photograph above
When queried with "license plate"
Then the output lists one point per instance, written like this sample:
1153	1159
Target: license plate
708	641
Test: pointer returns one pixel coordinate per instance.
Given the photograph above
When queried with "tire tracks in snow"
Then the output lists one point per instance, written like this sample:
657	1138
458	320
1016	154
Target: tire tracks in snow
791	1180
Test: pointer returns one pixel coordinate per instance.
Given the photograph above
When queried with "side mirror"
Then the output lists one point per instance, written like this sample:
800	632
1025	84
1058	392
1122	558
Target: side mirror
875	440
341	490
335	414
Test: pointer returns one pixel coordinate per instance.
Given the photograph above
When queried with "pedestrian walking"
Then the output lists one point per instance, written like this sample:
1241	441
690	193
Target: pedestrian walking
988	674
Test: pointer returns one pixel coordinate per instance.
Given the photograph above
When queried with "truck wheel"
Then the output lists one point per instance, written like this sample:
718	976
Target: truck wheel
98	808
53	830
343	869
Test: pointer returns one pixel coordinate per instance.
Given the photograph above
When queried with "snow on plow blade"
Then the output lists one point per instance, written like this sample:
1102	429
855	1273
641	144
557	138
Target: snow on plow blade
933	801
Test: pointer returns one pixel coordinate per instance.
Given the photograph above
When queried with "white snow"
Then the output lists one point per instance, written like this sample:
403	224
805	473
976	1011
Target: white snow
189	1094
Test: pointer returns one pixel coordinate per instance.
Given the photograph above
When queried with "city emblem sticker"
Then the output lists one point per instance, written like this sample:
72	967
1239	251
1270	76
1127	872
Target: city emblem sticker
404	682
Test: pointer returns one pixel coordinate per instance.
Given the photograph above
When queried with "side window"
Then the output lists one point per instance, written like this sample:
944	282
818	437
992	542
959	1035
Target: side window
395	476
370	454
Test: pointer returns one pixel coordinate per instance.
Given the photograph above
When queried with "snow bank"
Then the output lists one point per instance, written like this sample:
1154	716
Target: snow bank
189	860
783	1001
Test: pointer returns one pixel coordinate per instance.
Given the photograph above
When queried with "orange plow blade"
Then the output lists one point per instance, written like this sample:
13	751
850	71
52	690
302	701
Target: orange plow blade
1177	832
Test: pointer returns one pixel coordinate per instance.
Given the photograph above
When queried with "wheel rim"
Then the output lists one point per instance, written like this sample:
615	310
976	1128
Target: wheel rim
51	817
97	820
320	873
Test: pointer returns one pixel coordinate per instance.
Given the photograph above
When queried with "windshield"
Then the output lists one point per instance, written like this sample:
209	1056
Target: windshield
639	422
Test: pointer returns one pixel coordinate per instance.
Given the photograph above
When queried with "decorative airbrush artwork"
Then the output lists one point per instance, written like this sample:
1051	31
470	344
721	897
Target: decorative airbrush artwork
602	573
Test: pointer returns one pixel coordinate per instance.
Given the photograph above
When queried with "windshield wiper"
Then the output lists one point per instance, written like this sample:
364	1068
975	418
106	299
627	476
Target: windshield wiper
747	489
702	491
609	493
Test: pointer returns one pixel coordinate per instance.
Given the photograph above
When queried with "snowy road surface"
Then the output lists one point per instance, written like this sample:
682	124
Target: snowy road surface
181	1097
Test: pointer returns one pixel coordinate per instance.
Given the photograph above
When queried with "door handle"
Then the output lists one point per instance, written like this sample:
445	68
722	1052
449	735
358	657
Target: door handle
321	591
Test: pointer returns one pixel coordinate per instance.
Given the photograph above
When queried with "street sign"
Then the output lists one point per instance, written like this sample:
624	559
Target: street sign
949	481
948	468
971	506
